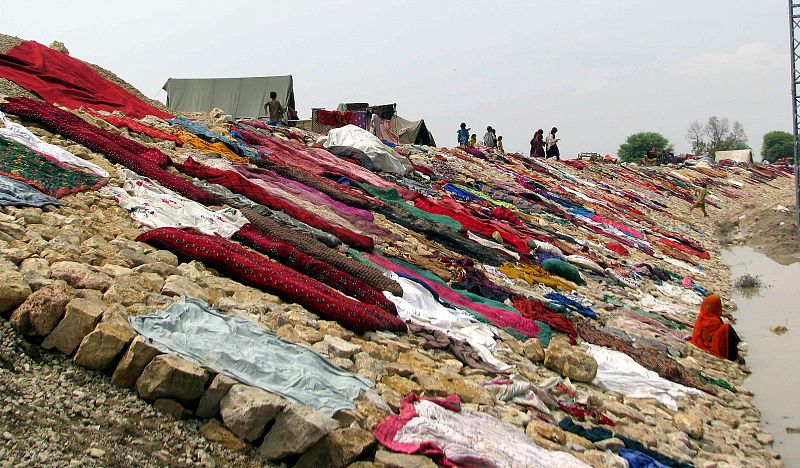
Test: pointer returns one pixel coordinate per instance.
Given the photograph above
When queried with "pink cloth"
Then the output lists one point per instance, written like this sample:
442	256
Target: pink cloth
499	317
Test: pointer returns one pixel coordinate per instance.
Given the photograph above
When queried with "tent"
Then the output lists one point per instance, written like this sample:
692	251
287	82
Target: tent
412	131
239	97
740	156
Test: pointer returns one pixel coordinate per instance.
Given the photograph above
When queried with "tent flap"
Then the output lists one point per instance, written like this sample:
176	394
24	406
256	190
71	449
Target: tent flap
239	97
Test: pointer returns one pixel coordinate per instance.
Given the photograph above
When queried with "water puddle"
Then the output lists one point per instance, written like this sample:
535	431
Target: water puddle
772	358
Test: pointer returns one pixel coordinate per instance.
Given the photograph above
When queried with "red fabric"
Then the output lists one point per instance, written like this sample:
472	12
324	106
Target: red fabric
618	248
137	127
239	184
536	310
501	212
255	270
710	332
116	148
449	207
59	78
336	118
423	169
684	248
317	269
387	429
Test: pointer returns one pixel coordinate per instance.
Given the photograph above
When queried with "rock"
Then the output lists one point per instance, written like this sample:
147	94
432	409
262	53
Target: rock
216	432
395	368
80	318
340	348
80	276
101	347
171	408
533	350
611	443
164	256
547	431
180	285
41	311
340	448
246	410
689	423
209	403
170	376
296	429
570	361
95	452
13	289
134	361
401	385
401	460
160	268
34	268
60	47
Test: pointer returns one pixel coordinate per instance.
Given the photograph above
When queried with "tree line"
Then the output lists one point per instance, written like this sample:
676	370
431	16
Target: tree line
717	134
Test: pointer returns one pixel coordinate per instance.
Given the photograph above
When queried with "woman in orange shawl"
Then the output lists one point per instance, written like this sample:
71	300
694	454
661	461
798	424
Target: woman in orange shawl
712	334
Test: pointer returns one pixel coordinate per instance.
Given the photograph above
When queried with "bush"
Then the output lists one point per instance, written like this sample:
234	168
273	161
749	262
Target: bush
748	281
639	145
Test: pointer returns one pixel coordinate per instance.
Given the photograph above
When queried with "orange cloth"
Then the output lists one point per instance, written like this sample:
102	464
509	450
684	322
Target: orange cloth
208	147
710	332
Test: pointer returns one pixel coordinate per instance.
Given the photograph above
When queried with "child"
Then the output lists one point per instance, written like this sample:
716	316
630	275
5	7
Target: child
700	194
463	135
274	109
500	145
473	140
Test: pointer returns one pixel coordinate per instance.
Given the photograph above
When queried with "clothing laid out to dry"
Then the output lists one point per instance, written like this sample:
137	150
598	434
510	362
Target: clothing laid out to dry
16	193
257	271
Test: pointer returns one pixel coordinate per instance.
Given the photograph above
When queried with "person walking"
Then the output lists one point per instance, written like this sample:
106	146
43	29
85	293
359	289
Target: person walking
700	194
552	145
537	144
274	109
489	139
463	134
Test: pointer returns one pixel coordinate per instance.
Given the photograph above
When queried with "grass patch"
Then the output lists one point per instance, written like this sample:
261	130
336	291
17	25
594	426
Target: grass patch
725	230
748	281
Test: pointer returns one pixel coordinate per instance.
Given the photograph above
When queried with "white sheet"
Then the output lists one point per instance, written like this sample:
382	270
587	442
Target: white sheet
385	158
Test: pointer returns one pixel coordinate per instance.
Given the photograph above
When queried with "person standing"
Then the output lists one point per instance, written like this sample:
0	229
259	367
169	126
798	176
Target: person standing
537	144
463	134
552	145
375	122
274	109
473	141
489	139
500	145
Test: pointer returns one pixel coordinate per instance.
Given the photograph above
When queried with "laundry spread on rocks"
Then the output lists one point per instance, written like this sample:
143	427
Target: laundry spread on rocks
464	306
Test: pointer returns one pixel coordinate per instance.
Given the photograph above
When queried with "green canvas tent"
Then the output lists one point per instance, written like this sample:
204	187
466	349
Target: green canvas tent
239	97
412	131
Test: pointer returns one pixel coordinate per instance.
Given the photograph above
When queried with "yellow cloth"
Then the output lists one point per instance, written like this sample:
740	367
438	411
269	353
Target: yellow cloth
208	147
535	274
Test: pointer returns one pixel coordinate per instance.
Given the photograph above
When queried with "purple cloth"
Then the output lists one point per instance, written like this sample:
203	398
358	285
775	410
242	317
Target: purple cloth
361	119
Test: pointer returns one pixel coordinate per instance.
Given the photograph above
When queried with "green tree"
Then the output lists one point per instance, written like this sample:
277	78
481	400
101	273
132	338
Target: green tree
777	145
639	144
718	134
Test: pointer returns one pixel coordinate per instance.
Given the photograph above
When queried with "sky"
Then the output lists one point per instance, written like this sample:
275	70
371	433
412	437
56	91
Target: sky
597	70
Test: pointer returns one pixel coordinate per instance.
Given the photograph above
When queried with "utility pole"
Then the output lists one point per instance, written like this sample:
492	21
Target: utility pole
794	32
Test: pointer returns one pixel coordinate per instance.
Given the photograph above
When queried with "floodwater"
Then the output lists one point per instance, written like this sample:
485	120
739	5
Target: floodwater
772	358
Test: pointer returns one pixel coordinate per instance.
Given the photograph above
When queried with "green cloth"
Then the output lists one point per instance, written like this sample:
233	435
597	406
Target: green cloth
718	382
390	195
478	193
43	172
563	269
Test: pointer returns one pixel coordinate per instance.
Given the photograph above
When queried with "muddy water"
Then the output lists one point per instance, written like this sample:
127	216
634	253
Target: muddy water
774	359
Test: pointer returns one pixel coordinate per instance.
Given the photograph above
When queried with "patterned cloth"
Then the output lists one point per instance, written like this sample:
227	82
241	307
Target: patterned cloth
43	172
255	270
116	148
308	265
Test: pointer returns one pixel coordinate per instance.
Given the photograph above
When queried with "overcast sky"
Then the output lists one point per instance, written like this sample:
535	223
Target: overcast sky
598	70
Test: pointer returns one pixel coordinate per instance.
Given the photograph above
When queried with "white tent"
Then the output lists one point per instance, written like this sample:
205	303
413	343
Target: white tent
740	156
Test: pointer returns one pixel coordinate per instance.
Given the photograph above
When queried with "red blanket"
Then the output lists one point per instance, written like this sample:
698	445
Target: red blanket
59	78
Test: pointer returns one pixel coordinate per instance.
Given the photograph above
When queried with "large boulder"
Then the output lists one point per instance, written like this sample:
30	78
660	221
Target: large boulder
690	423
246	410
81	276
171	376
100	349
570	361
41	311
209	403
340	448
214	431
13	289
296	430
80	318
180	285
132	364
401	460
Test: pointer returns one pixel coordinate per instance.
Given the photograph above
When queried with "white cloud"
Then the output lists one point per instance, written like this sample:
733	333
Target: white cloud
747	58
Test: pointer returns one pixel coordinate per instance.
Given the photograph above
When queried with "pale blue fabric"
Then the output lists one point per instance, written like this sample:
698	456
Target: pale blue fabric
16	193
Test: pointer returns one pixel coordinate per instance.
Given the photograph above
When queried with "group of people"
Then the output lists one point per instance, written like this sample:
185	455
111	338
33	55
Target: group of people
545	147
490	138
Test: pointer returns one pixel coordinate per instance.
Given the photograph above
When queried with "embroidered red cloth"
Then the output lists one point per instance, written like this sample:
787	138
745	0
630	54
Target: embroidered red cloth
255	270
308	265
241	185
59	78
137	127
118	149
